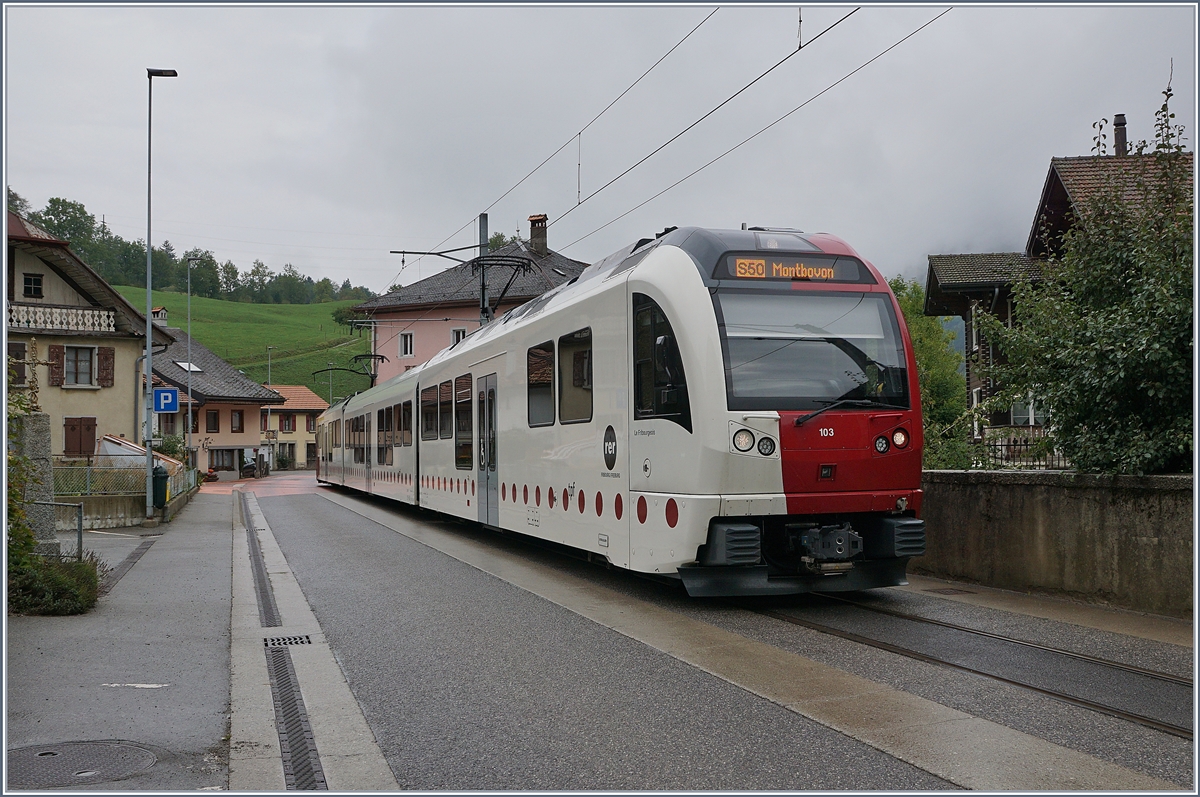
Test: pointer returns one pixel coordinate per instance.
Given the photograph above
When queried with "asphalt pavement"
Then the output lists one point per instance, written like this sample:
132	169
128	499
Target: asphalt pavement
420	669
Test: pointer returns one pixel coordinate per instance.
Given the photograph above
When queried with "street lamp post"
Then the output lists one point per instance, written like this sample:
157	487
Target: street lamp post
270	445
190	410
149	384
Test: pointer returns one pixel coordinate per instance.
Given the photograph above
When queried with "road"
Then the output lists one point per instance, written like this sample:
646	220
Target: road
481	662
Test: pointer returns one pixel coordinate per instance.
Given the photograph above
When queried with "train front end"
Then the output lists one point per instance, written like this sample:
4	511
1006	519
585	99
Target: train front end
820	388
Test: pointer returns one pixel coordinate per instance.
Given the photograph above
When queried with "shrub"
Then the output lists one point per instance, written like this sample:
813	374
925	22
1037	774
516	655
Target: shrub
55	585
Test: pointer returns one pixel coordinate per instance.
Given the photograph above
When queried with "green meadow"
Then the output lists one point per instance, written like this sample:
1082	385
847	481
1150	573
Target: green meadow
305	338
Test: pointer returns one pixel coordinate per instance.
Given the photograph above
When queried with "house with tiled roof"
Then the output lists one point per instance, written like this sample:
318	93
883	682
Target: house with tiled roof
412	324
966	284
74	337
291	428
224	427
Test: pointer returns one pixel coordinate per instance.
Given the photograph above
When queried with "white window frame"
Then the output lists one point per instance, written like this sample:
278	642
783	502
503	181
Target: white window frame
457	334
91	368
974	327
407	345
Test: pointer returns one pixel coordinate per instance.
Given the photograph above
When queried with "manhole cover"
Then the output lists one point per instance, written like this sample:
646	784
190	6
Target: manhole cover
950	591
75	763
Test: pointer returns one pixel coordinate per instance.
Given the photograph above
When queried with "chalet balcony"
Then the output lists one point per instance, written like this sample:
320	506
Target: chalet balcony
52	318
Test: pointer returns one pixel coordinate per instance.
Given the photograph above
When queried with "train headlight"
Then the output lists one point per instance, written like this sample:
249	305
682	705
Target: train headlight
882	445
899	438
766	446
743	440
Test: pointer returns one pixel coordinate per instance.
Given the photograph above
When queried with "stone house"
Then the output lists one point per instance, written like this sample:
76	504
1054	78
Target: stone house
414	323
225	422
292	427
90	342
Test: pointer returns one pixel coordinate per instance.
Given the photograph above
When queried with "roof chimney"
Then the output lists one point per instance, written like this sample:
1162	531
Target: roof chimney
537	235
1119	134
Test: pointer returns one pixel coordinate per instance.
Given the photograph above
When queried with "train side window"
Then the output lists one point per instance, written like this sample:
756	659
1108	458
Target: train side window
575	377
541	384
659	385
405	411
429	417
384	434
464	459
446	410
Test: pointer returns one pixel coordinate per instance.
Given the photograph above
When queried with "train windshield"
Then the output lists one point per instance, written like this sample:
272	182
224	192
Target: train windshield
802	350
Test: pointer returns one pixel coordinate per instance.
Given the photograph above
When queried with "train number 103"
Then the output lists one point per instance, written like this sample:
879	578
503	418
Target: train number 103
826	431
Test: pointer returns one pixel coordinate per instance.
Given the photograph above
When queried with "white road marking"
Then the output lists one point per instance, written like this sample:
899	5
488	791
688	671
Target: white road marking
139	686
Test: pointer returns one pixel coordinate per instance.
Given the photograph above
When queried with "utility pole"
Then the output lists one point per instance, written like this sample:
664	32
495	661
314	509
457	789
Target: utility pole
485	310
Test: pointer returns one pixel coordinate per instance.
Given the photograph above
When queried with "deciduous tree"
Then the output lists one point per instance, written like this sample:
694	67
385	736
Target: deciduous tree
1106	339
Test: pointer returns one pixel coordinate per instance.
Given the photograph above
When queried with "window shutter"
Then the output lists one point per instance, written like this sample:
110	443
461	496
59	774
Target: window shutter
17	352
71	429
58	356
105	365
87	436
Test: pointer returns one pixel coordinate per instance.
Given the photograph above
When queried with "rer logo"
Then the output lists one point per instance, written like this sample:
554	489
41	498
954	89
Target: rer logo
610	448
166	399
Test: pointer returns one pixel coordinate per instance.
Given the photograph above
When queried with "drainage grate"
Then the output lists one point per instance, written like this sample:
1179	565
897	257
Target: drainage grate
301	763
75	764
268	612
276	641
950	591
123	568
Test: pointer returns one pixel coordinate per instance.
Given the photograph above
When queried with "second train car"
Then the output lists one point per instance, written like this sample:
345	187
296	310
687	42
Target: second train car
737	409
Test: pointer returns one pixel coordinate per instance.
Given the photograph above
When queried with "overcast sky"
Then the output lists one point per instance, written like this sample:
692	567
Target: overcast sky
326	136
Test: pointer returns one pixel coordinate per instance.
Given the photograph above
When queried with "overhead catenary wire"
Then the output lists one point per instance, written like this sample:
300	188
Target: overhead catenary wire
762	130
575	138
725	102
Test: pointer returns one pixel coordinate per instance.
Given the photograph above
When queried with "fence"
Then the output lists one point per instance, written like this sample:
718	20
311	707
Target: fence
113	476
1017	448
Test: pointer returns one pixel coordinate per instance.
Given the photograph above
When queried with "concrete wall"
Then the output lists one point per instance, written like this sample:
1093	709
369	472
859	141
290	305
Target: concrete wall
1125	541
115	511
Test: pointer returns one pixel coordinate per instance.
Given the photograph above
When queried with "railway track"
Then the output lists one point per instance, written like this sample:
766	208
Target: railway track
1125	671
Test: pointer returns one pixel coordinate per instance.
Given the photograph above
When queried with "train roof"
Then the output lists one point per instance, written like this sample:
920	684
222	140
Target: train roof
704	245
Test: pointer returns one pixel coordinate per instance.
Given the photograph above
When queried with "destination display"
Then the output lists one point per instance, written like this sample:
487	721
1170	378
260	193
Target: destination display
814	268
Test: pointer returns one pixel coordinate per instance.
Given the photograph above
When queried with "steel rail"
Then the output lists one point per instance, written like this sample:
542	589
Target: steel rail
1175	679
1149	722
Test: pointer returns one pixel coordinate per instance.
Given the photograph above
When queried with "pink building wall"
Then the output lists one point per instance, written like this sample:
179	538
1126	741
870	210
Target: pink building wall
432	331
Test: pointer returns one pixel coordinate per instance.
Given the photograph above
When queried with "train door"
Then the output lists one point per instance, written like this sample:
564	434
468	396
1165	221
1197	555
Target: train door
369	446
488	481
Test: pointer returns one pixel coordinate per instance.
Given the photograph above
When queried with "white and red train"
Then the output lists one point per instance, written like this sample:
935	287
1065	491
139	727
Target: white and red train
734	408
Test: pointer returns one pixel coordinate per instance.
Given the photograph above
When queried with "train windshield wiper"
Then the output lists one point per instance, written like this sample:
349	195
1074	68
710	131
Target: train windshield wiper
864	403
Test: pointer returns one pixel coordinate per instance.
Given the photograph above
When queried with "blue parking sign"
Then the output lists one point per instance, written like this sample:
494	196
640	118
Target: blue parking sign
166	399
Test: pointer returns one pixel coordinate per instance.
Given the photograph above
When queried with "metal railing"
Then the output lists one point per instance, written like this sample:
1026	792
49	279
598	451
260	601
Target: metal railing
78	523
113	475
1017	448
89	479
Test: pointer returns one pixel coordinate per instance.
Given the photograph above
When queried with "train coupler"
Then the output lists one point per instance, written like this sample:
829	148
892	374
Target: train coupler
828	548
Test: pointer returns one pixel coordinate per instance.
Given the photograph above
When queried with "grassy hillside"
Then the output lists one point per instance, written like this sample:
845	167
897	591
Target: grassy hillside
305	336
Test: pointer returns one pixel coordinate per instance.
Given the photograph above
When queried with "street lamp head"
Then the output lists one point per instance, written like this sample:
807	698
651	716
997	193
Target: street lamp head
161	73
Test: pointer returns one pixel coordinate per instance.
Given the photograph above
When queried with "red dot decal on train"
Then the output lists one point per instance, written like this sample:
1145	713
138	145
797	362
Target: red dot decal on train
525	493
599	504
537	495
582	501
550	497
641	509
504	492
618	506
672	512
472	487
566	502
